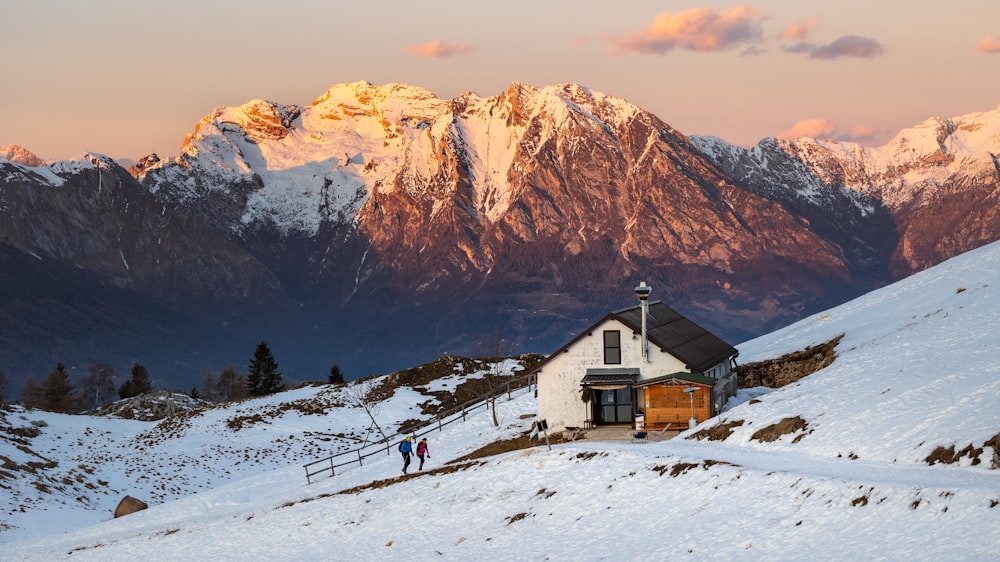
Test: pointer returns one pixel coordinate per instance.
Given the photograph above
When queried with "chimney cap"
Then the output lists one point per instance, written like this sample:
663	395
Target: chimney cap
643	290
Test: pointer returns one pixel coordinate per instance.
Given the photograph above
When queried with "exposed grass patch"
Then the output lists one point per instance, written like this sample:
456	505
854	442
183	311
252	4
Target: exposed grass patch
377	484
789	368
774	431
681	468
445	366
518	517
949	454
507	445
719	432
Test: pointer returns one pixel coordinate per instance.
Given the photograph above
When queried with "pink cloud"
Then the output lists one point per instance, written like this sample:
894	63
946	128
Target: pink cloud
698	29
438	50
862	133
799	31
846	46
989	45
812	128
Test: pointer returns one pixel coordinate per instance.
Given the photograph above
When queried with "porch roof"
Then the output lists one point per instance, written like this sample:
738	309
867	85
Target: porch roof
610	376
694	378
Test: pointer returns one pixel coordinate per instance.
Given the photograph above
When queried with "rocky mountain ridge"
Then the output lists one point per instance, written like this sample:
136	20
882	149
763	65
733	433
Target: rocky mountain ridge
382	213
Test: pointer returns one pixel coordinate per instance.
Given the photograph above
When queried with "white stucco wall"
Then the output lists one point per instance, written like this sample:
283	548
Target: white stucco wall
559	388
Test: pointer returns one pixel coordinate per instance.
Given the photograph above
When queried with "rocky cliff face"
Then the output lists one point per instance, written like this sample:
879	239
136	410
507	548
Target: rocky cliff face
386	226
936	183
514	198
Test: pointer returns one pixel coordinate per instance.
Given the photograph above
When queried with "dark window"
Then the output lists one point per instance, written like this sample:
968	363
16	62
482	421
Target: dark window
612	347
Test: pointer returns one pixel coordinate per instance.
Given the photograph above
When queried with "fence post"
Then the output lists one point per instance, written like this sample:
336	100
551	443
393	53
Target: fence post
308	481
360	458
332	473
440	427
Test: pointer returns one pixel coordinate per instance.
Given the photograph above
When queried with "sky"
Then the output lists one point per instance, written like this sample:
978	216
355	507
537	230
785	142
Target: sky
126	79
917	369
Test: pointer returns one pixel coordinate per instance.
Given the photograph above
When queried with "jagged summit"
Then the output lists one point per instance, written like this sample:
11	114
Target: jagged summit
19	155
388	210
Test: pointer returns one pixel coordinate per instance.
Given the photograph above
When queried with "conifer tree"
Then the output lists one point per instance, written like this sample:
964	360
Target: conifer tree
336	375
57	391
138	384
264	377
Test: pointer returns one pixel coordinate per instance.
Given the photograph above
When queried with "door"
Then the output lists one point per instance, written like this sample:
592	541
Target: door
613	406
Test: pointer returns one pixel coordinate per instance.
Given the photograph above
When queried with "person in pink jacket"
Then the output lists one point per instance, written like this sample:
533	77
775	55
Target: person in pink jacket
422	452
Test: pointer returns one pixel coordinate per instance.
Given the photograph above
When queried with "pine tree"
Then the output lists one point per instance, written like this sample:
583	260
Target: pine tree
336	375
57	391
138	384
264	377
125	390
140	380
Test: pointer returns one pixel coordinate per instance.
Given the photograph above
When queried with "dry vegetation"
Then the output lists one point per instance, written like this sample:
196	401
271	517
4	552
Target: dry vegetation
447	365
719	432
789	368
786	426
948	455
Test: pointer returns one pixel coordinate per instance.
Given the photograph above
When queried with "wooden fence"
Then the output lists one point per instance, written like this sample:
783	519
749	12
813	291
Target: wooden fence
458	413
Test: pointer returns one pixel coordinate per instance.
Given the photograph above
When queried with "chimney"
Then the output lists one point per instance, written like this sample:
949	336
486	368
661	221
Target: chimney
642	291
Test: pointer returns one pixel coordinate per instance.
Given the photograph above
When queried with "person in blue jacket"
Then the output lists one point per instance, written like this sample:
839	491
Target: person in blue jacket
406	447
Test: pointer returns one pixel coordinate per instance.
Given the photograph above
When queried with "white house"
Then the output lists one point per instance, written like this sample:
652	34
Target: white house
646	366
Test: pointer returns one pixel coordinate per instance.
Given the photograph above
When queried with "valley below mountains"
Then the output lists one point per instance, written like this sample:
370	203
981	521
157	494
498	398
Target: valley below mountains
380	227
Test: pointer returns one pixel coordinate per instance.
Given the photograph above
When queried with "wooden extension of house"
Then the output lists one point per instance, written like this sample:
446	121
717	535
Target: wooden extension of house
646	366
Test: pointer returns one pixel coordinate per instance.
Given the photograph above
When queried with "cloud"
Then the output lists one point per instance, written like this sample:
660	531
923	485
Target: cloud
799	31
438	50
989	44
861	134
698	29
812	128
846	46
825	129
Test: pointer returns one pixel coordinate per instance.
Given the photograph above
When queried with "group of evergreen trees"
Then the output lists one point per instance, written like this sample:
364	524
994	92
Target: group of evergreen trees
57	393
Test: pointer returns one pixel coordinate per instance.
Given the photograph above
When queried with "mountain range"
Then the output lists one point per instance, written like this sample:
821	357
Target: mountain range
380	226
890	451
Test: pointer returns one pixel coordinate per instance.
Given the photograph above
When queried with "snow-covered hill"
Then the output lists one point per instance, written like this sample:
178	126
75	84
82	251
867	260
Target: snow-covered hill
865	472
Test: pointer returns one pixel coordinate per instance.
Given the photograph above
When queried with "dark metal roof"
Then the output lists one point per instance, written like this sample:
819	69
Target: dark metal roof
675	334
610	376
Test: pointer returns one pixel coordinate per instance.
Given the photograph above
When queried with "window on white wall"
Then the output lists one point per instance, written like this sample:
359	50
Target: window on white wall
612	347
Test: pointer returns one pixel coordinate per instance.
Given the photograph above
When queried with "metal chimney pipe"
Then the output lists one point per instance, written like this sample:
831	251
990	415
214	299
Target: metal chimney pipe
642	291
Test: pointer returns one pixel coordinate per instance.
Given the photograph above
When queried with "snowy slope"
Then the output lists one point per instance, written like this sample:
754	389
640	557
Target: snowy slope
917	369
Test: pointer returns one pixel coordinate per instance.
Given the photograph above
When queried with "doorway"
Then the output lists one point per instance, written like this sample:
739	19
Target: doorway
613	406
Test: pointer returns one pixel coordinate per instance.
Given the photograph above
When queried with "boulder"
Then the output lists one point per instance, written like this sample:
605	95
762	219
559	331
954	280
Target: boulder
129	505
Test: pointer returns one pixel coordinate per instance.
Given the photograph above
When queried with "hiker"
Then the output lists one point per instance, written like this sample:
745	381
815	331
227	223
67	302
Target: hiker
406	447
422	452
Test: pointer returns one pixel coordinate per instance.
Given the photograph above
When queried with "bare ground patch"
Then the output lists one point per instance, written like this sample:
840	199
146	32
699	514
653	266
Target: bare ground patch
951	455
677	469
789	368
786	426
719	432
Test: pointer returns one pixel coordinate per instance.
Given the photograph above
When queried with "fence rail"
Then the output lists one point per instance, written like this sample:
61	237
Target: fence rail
457	413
